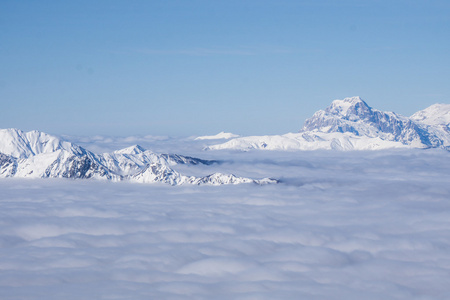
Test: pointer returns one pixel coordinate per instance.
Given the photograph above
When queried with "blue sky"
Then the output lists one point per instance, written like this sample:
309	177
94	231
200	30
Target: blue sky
200	67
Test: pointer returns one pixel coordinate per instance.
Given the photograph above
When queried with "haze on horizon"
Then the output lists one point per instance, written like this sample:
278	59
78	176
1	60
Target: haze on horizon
198	68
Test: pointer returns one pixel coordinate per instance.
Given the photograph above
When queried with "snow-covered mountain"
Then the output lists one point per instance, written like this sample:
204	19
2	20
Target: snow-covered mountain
351	124
21	144
36	154
162	173
39	155
435	115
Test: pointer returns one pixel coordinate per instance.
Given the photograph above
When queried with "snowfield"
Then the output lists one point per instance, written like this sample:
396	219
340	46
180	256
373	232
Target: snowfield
339	225
219	136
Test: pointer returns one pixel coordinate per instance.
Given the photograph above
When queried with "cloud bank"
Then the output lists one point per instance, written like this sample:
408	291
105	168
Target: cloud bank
343	225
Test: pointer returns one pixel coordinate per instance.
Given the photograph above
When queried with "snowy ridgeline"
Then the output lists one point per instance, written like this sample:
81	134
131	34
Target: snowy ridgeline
219	136
39	155
350	124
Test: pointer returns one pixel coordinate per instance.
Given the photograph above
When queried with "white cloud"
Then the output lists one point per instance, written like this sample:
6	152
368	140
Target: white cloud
343	225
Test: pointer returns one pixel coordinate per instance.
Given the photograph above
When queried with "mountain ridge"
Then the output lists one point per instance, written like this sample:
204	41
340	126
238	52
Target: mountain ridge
351	124
36	154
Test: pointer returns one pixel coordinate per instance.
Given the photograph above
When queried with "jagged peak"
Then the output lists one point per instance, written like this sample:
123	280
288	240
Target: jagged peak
347	105
22	144
30	135
14	132
135	149
354	99
40	155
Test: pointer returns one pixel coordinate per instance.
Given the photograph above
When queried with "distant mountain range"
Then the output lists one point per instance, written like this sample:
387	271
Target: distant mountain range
351	124
348	124
36	154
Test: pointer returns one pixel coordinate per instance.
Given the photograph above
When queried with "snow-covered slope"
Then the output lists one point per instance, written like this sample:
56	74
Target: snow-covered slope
21	144
162	173
435	115
38	155
353	115
134	159
351	124
436	120
308	141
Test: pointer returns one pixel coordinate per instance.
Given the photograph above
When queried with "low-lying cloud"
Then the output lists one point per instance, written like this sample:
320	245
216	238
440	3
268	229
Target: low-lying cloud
341	225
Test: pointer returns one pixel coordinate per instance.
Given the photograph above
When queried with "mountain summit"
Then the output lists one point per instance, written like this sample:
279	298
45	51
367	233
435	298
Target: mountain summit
21	144
349	108
351	124
435	115
355	116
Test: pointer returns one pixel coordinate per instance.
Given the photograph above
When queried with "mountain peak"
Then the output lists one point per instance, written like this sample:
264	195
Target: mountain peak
36	154
339	116
135	149
352	124
436	114
352	100
347	106
354	116
21	144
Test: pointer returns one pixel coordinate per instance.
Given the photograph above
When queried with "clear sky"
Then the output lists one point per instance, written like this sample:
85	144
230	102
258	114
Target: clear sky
184	68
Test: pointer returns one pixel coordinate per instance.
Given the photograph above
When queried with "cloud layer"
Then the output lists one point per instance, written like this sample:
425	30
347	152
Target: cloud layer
342	225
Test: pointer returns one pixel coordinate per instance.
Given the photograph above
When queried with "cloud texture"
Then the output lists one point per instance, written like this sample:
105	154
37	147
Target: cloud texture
342	225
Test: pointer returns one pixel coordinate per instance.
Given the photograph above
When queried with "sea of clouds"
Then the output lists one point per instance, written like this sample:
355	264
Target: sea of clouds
340	225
